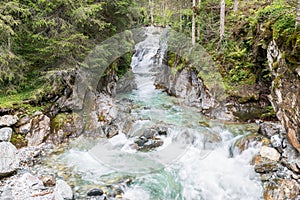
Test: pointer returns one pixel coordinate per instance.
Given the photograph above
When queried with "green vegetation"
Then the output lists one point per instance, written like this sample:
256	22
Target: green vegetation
40	37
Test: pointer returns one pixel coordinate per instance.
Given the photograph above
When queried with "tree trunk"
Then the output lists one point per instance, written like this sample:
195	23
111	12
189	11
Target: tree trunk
180	16
151	12
298	14
199	27
235	5
194	25
222	20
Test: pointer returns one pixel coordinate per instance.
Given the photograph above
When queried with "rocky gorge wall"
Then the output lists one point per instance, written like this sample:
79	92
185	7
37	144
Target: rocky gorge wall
285	92
248	105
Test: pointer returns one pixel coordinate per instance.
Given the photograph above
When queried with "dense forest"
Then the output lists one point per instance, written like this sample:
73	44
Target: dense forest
39	38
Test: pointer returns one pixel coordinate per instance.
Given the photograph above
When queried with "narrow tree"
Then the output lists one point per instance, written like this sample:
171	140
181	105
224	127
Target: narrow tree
194	24
235	5
199	26
151	12
298	14
222	20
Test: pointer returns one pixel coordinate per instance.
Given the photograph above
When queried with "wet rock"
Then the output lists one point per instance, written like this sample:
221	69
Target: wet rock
276	141
270	153
95	192
149	133
265	177
246	141
5	134
8	120
281	189
291	158
110	130
23	129
62	191
9	160
151	144
161	129
266	167
48	180
40	130
126	83
141	141
269	129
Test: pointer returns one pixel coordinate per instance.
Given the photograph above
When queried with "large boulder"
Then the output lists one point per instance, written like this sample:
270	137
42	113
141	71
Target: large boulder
27	187
39	131
8	120
270	153
62	191
269	129
5	134
9	160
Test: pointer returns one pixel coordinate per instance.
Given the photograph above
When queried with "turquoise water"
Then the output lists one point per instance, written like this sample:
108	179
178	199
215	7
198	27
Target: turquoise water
193	162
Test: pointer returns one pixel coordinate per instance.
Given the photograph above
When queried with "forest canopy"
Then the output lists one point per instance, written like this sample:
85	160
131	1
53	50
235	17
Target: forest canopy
40	36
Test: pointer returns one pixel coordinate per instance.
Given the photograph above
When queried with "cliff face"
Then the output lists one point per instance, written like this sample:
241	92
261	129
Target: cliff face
285	92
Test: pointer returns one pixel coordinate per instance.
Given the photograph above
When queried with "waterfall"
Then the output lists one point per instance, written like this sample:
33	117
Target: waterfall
187	160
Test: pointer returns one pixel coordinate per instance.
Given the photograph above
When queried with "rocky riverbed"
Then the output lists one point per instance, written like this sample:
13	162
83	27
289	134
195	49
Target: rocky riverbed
51	159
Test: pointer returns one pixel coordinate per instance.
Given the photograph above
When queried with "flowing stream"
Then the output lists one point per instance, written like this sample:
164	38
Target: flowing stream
191	162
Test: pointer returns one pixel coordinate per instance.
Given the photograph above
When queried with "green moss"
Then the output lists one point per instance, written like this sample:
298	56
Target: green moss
59	121
249	98
18	140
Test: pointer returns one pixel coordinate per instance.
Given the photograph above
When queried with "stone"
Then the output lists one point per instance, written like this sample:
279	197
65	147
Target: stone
246	141
110	130
151	144
265	177
269	129
31	182
23	120
276	141
95	192
40	130
63	191
5	134
162	129
8	120
149	133
281	189
26	186
48	180
266	167
270	153
141	141
9	161
23	129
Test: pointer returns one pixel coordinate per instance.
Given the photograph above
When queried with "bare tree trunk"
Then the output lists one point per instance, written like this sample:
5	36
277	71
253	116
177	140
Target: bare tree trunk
194	25
199	27
151	11
235	5
198	31
222	20
180	16
298	14
9	43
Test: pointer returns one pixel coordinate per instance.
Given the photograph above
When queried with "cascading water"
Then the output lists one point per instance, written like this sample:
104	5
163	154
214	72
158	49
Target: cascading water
193	161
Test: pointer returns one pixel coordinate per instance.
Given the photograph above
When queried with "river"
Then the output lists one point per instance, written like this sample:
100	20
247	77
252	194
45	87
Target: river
187	158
